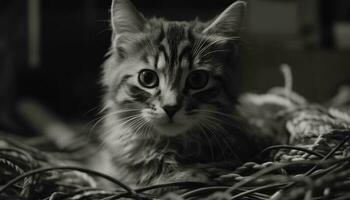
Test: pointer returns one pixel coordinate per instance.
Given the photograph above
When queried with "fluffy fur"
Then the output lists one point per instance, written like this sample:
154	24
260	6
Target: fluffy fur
171	130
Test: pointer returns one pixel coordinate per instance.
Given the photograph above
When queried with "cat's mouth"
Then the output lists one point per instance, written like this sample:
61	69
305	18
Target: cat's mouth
170	127
168	123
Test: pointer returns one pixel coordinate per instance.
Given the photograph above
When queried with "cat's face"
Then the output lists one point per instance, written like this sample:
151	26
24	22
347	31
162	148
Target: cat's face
167	77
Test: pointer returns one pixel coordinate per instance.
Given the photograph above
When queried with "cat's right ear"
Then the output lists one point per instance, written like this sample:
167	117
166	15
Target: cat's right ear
125	18
229	22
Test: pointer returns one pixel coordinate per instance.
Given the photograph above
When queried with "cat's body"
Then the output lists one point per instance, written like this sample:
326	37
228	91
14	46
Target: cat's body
170	97
160	159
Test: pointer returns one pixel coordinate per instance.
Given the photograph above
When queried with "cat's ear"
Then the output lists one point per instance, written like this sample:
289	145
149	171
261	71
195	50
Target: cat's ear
229	22
125	18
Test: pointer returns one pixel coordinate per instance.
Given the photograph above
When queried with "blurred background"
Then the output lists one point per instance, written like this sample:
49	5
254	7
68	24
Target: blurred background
51	52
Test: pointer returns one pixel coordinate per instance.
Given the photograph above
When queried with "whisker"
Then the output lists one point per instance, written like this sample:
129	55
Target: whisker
233	125
200	46
132	121
207	46
225	139
229	116
149	44
216	139
215	40
211	52
120	125
109	115
139	126
208	139
114	113
148	127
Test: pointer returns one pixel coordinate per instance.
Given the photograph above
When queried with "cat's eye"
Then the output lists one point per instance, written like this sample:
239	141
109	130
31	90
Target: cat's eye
148	78
198	79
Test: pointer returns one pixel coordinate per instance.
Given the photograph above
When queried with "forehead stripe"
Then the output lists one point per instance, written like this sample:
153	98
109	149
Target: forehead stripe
161	61
177	79
161	35
156	58
186	53
162	50
175	34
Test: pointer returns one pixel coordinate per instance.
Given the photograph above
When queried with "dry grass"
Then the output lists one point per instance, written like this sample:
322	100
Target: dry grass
27	174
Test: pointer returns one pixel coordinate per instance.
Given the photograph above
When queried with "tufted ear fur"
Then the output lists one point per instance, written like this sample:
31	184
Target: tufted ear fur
229	22
125	18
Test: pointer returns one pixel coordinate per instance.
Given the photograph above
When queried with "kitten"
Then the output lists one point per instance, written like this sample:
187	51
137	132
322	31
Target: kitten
170	97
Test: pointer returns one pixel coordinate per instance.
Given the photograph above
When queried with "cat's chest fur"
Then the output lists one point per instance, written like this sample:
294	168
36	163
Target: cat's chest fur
141	160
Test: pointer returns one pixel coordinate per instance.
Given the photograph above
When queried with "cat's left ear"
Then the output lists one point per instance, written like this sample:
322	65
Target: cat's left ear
125	18
229	22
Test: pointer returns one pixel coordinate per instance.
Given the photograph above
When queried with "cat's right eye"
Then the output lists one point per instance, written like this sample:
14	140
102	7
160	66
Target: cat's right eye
148	78
198	79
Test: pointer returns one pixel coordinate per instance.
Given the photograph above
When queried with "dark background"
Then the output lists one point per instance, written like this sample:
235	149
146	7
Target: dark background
74	37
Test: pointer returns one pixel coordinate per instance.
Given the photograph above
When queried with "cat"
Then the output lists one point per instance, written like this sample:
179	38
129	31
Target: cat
170	97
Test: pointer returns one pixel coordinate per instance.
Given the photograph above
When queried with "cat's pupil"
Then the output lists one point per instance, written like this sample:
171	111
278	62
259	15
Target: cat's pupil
148	78
198	79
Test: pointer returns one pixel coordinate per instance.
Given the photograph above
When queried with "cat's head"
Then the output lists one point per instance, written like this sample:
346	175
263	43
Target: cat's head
170	77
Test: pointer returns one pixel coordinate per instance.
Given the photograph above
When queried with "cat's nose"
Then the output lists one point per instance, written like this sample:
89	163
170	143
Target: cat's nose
170	110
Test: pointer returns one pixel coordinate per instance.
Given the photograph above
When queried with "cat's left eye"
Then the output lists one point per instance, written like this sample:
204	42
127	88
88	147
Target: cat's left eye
148	78
198	79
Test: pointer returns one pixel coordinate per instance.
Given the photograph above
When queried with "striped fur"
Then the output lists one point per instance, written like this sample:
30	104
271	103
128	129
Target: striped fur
145	144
